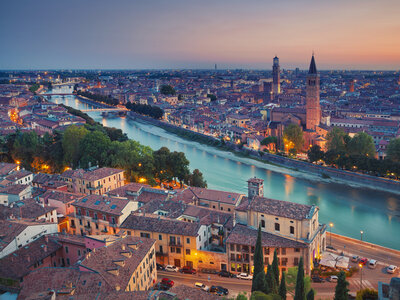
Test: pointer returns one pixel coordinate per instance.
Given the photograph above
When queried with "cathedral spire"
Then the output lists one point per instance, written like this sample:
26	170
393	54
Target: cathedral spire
313	67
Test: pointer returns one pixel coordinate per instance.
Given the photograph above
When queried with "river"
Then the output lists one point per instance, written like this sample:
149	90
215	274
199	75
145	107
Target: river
350	208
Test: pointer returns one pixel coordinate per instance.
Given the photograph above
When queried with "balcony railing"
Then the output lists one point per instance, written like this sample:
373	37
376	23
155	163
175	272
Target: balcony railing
175	244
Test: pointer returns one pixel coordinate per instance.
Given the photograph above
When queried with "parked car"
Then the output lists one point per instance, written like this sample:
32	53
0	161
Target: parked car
363	261
209	271
188	270
355	258
170	268
167	282
391	269
225	273
159	286
245	276
372	263
201	286
219	290
160	267
333	278
317	279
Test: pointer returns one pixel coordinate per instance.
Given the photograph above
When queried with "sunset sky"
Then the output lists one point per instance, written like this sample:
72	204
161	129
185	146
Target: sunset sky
344	34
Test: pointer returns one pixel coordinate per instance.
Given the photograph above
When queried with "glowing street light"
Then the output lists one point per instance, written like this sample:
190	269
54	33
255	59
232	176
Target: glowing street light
361	267
361	234
330	225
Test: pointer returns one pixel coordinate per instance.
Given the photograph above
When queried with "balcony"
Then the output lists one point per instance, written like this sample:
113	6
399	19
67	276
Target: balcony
175	244
91	188
161	254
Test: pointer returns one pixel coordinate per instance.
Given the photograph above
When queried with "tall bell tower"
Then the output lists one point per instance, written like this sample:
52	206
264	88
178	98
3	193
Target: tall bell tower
313	108
276	76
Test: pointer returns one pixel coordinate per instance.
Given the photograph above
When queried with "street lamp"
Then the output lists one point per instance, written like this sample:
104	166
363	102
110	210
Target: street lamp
361	234
361	267
330	225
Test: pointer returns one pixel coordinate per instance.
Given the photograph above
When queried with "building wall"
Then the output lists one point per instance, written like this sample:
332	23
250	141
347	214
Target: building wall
99	187
170	253
241	258
144	277
69	254
30	234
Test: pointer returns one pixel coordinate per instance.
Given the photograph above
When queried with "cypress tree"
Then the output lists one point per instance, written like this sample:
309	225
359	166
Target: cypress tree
300	289
258	283
275	267
282	287
272	287
341	290
310	295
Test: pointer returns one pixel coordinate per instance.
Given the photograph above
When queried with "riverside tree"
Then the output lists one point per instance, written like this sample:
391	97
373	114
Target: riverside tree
272	286
293	137
310	295
341	290
393	150
300	293
282	287
258	283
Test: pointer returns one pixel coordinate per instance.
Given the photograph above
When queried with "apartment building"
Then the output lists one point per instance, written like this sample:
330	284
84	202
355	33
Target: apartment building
177	242
99	214
93	182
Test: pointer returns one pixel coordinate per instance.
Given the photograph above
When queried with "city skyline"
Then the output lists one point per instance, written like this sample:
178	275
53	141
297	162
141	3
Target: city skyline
179	35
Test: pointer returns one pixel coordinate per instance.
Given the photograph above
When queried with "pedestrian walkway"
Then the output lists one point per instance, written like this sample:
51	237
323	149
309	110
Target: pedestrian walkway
356	283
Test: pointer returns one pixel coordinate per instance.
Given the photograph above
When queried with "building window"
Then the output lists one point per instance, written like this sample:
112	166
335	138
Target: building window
187	240
284	261
237	247
113	220
187	251
87	213
129	233
79	252
160	237
232	257
263	223
95	216
232	247
172	249
145	235
291	229
283	251
178	250
68	261
266	251
296	249
66	249
296	261
277	227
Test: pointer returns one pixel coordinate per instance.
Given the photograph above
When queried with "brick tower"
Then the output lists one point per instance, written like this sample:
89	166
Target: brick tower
313	109
276	76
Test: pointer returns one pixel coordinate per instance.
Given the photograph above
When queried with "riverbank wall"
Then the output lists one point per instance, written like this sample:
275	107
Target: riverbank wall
341	176
92	102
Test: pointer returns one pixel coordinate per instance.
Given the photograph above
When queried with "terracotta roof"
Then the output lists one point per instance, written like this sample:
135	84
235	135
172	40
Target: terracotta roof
216	196
154	223
244	235
25	209
277	208
103	259
14	176
130	189
17	264
102	203
64	197
14	189
91	175
67	283
6	168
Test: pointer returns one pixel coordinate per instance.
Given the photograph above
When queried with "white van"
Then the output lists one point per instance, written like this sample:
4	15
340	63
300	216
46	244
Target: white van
372	263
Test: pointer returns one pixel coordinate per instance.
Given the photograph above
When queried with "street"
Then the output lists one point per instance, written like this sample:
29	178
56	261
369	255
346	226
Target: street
325	290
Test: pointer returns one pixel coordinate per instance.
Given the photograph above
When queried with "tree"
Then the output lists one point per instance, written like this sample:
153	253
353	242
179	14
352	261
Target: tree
293	137
393	150
71	139
282	287
270	140
258	283
196	179
262	296
336	140
179	166
315	153
300	293
167	90
94	149
212	97
271	284
341	290
161	164
275	267
367	294
310	295
241	296
362	144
